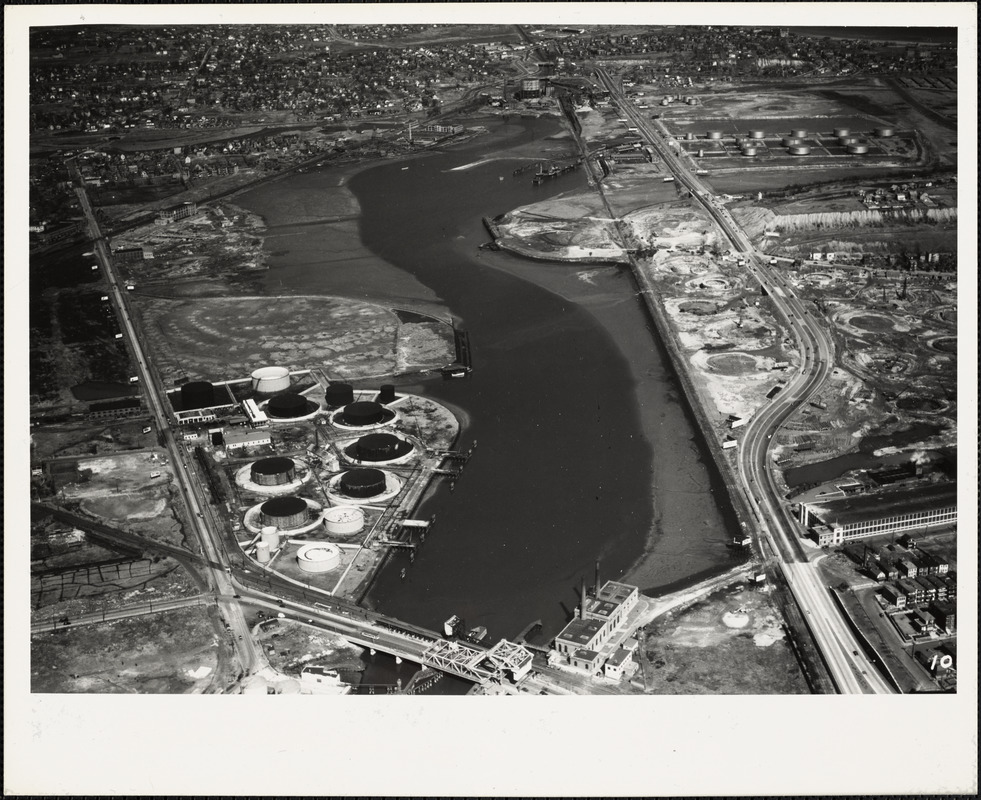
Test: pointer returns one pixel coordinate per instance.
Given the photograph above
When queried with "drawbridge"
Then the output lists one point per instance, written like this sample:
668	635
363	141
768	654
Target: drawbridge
475	664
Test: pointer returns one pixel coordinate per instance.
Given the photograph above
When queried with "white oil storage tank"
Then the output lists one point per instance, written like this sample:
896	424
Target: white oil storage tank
799	150
344	520
262	553
269	380
884	133
790	141
798	133
319	557
714	135
857	149
749	151
270	535
839	132
757	134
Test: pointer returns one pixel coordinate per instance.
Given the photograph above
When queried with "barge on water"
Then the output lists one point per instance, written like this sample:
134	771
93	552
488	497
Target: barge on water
462	366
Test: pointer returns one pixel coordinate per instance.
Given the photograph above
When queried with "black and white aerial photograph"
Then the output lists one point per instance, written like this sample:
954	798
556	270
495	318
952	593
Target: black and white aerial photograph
367	360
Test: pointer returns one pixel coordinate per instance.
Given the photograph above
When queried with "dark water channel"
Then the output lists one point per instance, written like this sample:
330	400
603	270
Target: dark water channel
563	472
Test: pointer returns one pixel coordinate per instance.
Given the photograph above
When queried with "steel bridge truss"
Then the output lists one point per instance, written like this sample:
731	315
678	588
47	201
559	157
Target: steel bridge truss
458	659
479	665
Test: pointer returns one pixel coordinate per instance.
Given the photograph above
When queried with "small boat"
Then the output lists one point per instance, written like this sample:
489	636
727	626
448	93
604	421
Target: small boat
404	169
477	635
456	371
451	625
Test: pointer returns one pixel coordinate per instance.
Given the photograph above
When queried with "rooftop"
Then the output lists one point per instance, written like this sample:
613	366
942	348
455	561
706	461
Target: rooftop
908	501
580	631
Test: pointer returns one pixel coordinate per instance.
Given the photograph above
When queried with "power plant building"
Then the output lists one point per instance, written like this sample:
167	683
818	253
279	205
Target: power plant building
582	640
836	521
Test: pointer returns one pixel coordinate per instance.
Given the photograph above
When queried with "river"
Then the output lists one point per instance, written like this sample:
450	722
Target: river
585	449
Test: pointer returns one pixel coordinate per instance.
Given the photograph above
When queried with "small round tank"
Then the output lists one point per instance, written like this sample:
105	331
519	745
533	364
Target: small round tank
270	535
262	554
757	134
857	149
799	133
344	520
839	132
884	132
799	150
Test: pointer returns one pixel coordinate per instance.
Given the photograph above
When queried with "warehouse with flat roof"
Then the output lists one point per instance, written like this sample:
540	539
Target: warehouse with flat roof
836	521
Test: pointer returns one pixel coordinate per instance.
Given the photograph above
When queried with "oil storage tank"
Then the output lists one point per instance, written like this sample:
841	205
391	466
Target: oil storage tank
790	141
757	134
749	150
386	394
798	133
339	394
799	150
262	554
197	394
319	557
713	135
269	380
363	412
274	471
270	535
839	132
363	482
289	406
343	520
857	149
380	447
284	513
884	132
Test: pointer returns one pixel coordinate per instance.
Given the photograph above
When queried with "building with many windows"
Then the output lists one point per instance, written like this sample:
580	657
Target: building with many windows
601	617
836	521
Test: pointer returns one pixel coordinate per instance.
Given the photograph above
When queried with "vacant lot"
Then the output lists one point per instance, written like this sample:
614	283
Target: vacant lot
175	652
731	643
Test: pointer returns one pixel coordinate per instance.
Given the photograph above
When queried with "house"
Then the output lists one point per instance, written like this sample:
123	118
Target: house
894	595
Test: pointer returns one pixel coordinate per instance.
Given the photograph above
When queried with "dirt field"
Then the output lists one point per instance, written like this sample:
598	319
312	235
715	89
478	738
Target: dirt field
176	652
291	646
730	643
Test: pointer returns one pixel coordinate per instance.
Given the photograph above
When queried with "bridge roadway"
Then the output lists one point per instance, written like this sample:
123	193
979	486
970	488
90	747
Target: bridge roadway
851	669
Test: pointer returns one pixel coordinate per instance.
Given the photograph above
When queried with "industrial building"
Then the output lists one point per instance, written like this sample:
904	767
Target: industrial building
836	521
237	440
583	640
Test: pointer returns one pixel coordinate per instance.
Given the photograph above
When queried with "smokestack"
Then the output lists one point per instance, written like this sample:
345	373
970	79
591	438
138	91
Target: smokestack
597	580
582	599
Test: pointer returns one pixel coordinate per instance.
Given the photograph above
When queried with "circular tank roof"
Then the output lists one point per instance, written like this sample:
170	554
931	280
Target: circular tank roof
270	372
284	506
273	466
287	405
357	481
363	412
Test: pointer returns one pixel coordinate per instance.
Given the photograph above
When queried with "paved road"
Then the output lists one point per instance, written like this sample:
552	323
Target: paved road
850	669
188	485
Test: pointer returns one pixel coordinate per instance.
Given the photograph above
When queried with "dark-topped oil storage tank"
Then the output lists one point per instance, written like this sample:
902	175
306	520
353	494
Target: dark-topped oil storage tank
386	393
380	447
285	512
363	482
288	406
364	412
197	394
273	471
339	394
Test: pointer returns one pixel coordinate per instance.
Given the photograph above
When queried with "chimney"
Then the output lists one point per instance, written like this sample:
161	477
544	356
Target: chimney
597	581
582	599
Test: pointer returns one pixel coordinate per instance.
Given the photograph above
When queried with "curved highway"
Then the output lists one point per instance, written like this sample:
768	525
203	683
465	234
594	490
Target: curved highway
850	668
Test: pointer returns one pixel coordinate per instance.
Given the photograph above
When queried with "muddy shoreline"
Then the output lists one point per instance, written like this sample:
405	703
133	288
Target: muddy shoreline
376	280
